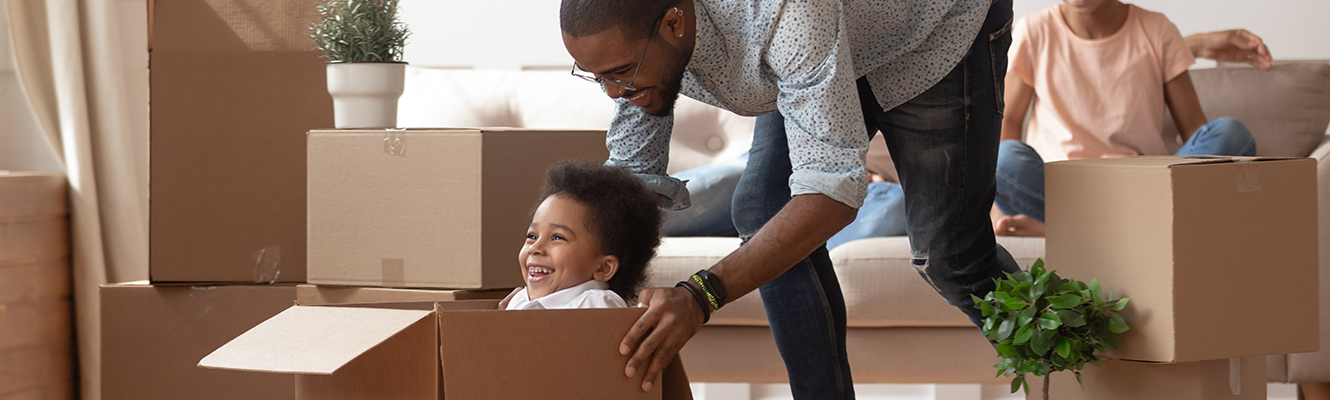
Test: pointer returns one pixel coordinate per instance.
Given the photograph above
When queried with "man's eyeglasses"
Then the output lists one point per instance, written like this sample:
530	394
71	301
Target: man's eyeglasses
626	86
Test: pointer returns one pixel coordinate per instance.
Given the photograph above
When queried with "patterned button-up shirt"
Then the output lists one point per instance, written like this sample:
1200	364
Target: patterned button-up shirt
802	57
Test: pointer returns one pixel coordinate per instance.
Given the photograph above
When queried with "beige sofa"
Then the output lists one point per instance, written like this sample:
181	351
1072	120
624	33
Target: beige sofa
901	331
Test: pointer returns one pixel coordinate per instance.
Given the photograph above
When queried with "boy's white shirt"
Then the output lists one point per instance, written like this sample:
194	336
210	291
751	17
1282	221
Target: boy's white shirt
589	294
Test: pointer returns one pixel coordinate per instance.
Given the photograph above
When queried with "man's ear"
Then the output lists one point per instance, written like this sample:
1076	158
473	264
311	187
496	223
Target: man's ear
673	24
608	266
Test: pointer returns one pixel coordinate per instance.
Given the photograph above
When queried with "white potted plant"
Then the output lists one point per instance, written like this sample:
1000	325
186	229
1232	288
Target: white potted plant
363	41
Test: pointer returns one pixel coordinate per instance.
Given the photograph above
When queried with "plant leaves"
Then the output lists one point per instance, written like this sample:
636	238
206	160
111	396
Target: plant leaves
1071	319
1025	316
1065	301
1005	328
1014	303
1094	288
1116	324
1008	350
1122	303
1049	321
984	307
1078	380
1063	347
1017	382
1023	334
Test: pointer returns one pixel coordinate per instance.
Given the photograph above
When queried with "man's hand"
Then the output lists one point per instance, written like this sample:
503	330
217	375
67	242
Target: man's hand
673	316
1235	45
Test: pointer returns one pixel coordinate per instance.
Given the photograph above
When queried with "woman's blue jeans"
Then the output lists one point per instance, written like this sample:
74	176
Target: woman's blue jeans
1020	172
944	143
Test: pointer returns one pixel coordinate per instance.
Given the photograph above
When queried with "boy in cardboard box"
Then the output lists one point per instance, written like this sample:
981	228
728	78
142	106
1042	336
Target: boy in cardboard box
591	236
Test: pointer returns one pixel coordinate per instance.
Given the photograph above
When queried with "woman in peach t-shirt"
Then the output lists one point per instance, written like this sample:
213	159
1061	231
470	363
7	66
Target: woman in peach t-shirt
1100	73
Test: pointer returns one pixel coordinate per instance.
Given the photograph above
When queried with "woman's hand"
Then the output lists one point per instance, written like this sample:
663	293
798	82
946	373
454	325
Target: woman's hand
1235	45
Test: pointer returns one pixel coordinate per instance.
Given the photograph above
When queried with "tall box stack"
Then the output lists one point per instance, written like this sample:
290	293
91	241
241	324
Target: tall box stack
1218	256
234	86
429	208
36	316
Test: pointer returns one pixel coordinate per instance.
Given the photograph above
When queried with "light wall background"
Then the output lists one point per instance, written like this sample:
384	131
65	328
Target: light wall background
516	34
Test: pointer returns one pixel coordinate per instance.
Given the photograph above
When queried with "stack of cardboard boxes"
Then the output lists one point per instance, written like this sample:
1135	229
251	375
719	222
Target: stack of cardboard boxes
260	226
1217	254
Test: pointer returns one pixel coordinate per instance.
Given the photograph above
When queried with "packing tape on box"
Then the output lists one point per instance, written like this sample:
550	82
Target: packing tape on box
1249	180
1235	376
394	142
266	264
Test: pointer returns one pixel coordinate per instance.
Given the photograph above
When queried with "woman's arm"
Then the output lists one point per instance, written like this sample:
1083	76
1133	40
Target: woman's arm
1017	97
1184	106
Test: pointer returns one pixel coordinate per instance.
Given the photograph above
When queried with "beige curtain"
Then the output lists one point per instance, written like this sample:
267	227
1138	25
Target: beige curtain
68	60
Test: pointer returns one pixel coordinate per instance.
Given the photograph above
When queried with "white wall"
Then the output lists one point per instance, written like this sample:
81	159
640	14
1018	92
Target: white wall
510	34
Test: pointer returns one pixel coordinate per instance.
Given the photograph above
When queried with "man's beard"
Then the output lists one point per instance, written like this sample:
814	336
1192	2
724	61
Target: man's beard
669	88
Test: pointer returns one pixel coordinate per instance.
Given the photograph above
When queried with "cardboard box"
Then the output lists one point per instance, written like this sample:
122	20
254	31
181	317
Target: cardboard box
311	295
152	336
234	86
429	208
455	350
1218	254
1236	379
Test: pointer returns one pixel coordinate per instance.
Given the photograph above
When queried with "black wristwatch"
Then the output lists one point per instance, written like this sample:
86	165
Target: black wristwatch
714	286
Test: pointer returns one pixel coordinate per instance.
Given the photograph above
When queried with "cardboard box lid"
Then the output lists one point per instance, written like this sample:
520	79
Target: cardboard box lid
312	340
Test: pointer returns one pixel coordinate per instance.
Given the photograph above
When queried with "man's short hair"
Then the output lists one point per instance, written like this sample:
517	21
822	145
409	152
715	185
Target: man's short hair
635	18
622	214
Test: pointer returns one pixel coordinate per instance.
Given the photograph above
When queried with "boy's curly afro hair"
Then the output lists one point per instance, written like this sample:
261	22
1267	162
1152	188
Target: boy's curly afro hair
623	215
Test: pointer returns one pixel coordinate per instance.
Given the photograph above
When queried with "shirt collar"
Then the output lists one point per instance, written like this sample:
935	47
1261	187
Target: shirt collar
562	298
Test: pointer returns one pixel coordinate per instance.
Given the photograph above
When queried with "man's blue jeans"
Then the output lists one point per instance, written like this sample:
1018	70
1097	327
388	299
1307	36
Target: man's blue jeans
1020	172
944	143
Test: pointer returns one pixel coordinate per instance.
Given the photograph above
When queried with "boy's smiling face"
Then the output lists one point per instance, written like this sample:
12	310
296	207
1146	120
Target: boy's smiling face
560	252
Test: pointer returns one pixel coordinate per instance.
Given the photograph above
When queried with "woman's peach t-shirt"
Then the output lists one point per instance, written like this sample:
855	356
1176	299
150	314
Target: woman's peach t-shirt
1097	98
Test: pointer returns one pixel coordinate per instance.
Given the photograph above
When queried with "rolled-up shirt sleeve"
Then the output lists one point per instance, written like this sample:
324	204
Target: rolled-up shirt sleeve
819	100
640	143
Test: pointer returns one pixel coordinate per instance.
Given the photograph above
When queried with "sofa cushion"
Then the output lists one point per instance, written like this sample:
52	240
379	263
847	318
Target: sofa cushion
881	288
1286	109
436	97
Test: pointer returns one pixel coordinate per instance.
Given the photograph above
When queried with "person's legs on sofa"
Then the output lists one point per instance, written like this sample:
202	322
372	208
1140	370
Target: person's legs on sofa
1020	180
883	214
1221	137
711	188
805	307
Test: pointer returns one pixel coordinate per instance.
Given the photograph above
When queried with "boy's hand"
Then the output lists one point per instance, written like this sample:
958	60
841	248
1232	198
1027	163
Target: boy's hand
1237	45
673	316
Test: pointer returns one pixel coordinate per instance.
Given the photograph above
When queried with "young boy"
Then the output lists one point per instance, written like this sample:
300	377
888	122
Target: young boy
1100	73
590	239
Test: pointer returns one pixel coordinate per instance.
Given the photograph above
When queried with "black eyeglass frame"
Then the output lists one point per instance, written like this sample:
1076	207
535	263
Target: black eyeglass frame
624	86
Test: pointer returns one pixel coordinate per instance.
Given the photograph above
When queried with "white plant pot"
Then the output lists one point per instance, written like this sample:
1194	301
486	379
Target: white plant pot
365	94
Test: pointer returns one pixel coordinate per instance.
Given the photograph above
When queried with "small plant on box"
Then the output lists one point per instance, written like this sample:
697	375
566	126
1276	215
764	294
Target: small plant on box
359	31
363	42
1044	324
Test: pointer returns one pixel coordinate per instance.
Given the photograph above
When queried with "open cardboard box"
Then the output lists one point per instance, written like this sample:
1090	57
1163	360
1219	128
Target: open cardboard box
429	208
1218	254
458	350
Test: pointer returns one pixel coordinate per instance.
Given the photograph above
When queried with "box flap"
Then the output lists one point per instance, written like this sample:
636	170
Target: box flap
311	340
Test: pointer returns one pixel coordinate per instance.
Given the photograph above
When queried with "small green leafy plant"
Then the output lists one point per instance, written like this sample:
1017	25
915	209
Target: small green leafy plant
359	31
1044	324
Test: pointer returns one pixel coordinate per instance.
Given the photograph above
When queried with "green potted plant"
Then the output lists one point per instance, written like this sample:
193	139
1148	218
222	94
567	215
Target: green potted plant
363	42
1041	323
